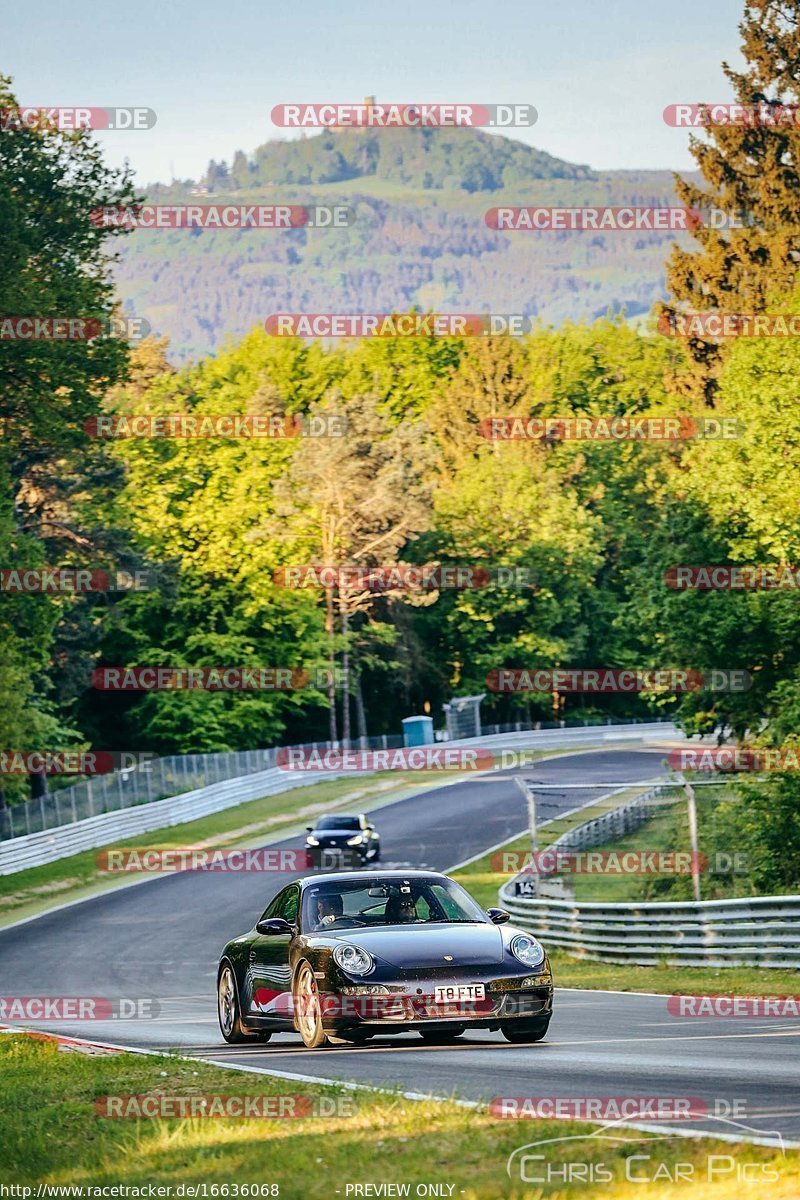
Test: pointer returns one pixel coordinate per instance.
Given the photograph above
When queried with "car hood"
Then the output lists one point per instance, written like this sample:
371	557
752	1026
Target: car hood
427	945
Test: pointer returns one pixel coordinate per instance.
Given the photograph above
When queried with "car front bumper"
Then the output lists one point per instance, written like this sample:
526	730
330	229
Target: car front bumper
409	1007
338	858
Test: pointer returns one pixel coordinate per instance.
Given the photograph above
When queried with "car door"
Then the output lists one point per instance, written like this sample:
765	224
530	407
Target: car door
270	973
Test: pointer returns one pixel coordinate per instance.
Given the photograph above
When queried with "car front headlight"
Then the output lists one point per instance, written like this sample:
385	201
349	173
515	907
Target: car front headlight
353	959
527	950
312	841
355	841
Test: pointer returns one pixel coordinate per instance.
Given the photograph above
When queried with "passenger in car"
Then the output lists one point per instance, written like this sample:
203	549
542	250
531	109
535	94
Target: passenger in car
329	909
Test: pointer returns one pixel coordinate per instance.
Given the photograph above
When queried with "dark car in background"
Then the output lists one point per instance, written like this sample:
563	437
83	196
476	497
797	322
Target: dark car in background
343	840
343	957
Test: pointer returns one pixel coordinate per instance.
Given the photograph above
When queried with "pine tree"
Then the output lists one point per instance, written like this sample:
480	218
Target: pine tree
750	173
241	174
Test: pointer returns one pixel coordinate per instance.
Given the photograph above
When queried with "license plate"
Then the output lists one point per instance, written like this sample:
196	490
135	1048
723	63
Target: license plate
459	991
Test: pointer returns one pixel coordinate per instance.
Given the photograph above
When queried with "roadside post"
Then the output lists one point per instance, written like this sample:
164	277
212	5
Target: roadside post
691	804
530	799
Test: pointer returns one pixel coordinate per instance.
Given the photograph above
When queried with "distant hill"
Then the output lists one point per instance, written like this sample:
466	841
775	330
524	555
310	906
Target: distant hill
450	159
419	237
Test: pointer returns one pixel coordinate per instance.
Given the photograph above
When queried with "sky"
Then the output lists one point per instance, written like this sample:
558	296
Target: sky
599	72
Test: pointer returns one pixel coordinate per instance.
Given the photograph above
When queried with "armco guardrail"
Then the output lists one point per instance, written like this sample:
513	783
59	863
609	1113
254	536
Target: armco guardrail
759	931
764	931
48	845
157	778
35	849
143	783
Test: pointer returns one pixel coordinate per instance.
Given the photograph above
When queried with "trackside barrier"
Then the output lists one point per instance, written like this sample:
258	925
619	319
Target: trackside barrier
48	845
761	931
35	849
142	783
617	822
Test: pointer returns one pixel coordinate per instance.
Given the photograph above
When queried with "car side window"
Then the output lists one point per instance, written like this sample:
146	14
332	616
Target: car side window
284	905
272	908
290	905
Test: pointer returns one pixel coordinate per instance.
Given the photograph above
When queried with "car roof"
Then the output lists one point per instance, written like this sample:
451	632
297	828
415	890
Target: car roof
327	816
368	876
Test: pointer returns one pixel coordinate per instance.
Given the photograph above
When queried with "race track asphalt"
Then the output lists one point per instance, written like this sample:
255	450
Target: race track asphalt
161	940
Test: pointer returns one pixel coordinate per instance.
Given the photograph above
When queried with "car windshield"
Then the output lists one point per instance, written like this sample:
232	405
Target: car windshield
342	904
338	823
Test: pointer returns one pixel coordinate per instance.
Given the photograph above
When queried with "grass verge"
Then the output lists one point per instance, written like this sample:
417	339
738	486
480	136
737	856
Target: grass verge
51	1134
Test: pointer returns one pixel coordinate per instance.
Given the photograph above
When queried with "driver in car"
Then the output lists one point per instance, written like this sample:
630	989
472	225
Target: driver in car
402	909
329	909
407	910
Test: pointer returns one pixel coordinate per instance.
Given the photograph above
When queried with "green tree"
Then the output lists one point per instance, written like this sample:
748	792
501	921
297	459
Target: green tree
750	172
200	504
355	501
56	264
735	501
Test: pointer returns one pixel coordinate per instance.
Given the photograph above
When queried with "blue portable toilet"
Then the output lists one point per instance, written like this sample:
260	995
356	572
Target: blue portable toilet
418	731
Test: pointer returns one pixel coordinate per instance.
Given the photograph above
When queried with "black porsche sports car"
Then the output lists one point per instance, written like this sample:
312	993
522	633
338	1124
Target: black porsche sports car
343	840
342	957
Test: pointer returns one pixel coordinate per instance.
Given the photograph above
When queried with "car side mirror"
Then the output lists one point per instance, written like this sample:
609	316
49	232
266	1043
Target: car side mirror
273	926
309	828
498	916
